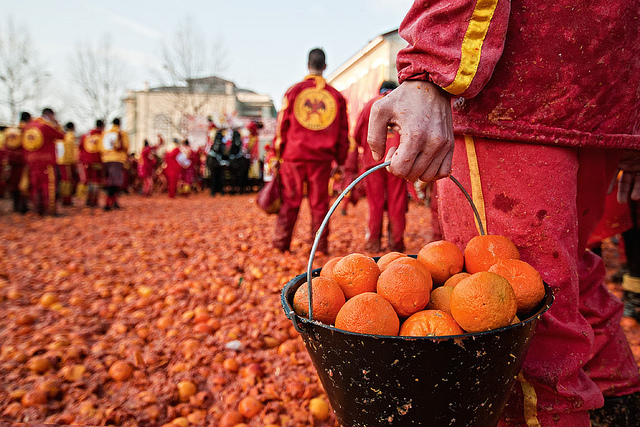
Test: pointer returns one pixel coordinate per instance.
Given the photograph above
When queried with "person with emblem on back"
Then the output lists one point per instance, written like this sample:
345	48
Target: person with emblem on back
66	159
312	132
39	142
15	160
91	162
114	148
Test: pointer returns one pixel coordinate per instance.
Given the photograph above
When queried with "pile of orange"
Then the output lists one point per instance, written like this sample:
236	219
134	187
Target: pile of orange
442	292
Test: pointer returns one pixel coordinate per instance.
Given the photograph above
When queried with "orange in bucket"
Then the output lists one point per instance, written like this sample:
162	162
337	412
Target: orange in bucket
440	299
406	287
328	298
430	323
387	259
368	313
356	273
482	302
525	281
483	251
443	259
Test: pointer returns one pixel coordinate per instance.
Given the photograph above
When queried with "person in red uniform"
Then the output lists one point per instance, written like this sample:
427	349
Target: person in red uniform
114	146
538	102
173	169
146	167
312	131
66	160
16	162
91	162
381	187
39	143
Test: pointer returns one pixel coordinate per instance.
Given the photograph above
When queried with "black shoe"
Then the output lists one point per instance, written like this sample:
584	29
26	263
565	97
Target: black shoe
107	208
618	411
116	206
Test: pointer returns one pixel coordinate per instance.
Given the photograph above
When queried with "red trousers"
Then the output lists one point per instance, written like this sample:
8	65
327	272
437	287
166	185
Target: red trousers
294	175
383	188
42	179
548	200
172	184
66	183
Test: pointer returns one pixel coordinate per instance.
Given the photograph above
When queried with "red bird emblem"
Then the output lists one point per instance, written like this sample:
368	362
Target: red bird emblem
315	107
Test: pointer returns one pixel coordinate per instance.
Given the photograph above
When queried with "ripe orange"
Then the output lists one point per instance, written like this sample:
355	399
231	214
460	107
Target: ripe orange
484	251
328	298
443	259
455	279
482	302
440	299
430	323
387	259
525	281
327	268
414	262
368	313
406	287
356	273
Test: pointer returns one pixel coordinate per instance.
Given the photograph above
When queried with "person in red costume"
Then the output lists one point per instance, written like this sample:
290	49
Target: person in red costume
91	166
39	143
381	187
312	131
16	162
174	167
114	146
66	160
530	107
146	167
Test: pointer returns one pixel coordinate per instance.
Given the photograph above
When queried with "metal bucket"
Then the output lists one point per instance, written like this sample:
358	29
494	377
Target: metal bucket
374	380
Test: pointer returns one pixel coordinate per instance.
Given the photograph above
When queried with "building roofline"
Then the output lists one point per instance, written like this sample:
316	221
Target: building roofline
362	53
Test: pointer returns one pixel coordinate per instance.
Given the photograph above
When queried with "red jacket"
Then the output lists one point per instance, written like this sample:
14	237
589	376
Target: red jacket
173	167
89	148
39	142
312	125
361	131
565	72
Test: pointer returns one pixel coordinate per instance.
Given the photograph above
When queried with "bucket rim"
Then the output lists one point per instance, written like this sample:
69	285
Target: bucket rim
300	279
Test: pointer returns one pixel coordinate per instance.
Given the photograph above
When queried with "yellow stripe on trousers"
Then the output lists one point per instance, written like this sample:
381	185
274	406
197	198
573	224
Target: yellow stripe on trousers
471	49
528	391
530	402
476	185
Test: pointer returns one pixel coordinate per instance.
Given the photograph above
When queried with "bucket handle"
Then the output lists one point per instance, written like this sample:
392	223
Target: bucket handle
335	205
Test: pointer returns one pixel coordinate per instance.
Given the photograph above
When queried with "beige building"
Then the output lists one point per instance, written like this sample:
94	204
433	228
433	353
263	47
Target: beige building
182	111
360	77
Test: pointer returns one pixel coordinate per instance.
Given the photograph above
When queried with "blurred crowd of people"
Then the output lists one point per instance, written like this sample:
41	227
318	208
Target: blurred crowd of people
44	164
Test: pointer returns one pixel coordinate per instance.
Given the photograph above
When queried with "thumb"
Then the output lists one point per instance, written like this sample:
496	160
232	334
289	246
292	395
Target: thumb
377	132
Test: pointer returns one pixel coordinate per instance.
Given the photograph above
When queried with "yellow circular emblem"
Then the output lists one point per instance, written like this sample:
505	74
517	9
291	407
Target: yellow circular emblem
12	138
92	143
315	109
32	139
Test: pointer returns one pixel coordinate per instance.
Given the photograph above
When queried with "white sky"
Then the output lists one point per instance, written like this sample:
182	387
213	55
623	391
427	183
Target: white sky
266	41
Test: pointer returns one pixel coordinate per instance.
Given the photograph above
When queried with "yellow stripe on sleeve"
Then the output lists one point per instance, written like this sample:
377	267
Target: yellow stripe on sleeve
472	46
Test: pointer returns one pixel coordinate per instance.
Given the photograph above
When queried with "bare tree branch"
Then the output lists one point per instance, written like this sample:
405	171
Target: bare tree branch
187	56
101	77
22	76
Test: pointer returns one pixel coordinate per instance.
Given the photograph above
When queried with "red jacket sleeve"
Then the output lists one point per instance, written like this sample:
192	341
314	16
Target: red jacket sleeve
455	44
